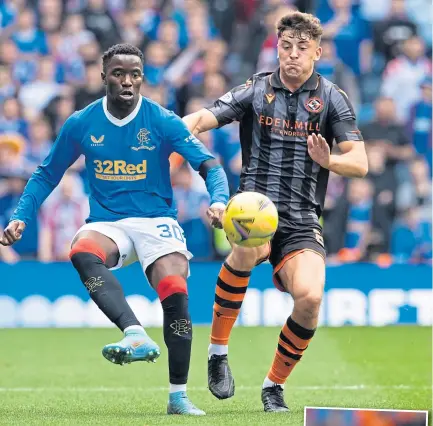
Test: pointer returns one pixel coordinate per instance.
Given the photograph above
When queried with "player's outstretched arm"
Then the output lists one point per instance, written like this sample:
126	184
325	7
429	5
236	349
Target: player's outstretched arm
351	163
64	152
217	185
189	147
200	121
228	108
353	160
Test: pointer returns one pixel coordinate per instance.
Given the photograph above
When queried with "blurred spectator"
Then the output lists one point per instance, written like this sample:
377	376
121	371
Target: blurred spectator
90	52
39	141
334	214
7	87
168	34
267	58
332	68
128	27
62	214
373	10
71	69
200	26
28	38
58	111
359	220
37	94
93	88
50	14
100	21
224	15
12	146
210	63
226	144
7	18
22	69
11	118
390	33
412	239
420	123
421	12
385	130
214	87
417	192
215	56
351	33
75	35
384	203
148	16
412	235
403	75
156	57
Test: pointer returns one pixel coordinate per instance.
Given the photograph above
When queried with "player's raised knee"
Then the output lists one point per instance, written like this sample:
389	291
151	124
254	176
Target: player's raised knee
245	258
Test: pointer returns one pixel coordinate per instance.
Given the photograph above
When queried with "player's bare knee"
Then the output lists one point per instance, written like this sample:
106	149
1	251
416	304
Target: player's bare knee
307	304
170	264
105	247
311	301
241	259
245	258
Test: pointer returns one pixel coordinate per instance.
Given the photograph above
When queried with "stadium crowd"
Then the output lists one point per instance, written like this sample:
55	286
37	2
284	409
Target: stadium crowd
379	52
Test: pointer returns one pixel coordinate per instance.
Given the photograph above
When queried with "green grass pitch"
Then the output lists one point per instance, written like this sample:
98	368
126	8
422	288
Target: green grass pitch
59	377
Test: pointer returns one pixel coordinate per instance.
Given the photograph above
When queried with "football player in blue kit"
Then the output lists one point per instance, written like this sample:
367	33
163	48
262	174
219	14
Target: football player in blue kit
127	140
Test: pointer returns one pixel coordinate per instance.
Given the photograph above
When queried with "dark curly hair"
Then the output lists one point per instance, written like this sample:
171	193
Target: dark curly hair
304	25
120	49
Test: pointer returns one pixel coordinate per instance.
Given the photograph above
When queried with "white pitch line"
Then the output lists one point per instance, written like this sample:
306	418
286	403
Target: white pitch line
202	388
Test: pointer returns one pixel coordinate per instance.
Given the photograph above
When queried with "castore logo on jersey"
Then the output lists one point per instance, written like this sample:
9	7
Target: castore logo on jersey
97	142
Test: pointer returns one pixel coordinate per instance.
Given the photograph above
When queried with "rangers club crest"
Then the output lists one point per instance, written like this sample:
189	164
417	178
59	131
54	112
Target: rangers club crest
181	326
143	141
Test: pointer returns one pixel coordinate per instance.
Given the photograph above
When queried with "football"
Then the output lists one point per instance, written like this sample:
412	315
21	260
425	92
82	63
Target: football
250	219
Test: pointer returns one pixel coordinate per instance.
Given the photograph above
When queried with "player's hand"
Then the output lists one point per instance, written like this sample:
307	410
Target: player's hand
12	233
215	214
319	150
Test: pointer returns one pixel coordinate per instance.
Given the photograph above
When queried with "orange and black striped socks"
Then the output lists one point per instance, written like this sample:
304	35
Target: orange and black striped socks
292	343
229	294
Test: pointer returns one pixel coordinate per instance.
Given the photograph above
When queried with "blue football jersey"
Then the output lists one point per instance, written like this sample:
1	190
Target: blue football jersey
127	161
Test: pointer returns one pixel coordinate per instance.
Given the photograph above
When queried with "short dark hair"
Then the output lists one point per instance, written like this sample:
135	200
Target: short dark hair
120	49
304	25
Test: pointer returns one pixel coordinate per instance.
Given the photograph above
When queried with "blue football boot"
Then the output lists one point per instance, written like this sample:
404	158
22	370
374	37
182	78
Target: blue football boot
179	403
135	346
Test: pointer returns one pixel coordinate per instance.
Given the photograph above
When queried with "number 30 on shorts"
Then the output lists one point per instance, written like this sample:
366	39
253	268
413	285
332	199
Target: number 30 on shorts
171	231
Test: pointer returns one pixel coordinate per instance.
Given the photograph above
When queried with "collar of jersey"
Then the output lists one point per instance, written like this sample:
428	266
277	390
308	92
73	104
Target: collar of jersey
310	84
117	121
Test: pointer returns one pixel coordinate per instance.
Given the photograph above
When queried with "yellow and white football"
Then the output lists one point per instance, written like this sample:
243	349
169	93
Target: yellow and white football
250	219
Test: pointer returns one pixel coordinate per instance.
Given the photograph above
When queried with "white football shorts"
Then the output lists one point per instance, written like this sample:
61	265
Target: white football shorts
142	239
